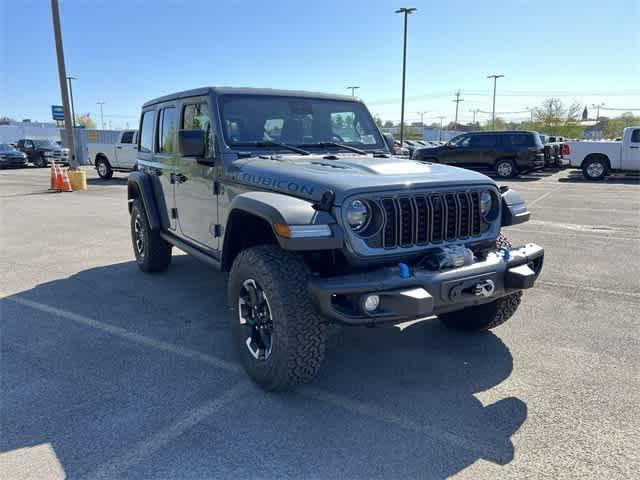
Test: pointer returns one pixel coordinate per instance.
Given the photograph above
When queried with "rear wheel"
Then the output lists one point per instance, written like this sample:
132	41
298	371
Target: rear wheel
276	330
40	161
103	168
505	168
594	169
488	315
153	253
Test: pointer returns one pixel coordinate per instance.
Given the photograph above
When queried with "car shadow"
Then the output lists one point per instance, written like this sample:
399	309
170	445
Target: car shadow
532	176
402	398
107	182
576	176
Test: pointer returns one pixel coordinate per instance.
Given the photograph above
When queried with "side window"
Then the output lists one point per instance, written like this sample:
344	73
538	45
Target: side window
346	126
635	136
517	140
167	130
28	144
196	117
273	128
127	137
482	141
461	141
146	131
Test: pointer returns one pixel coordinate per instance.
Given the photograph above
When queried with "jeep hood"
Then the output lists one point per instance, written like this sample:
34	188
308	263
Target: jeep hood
309	176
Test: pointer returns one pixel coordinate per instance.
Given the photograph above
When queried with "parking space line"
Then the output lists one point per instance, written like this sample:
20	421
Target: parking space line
578	288
543	196
128	335
148	447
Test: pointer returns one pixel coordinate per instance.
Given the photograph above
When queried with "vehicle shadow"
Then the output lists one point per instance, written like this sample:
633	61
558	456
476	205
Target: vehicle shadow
576	176
103	182
77	375
532	176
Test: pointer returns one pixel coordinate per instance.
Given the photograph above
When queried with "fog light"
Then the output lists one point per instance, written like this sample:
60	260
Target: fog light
371	303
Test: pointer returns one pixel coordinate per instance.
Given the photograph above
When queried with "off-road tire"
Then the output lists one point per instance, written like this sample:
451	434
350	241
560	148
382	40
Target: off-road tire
503	161
103	168
156	253
488	315
299	335
40	162
595	160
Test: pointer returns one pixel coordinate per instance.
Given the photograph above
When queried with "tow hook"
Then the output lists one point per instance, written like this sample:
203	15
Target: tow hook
484	289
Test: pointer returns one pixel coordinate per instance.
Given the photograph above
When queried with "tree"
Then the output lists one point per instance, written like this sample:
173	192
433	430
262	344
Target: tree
553	118
378	121
338	123
85	120
4	120
388	124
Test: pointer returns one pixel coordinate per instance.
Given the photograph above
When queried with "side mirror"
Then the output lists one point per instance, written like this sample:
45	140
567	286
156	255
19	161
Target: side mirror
389	140
191	143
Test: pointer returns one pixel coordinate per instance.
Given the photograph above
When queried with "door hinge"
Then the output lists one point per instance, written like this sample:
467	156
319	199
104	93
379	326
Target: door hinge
174	213
218	188
217	230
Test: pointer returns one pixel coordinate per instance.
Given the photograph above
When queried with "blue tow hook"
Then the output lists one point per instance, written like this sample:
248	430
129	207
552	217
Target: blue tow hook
505	254
404	270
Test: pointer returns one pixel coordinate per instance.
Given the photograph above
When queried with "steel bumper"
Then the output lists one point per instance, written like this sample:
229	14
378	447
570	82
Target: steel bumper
425	292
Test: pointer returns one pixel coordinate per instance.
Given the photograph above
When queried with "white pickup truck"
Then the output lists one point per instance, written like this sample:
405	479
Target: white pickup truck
109	157
598	159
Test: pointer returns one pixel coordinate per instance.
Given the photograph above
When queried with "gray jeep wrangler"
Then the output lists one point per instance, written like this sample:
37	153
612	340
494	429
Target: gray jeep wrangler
296	195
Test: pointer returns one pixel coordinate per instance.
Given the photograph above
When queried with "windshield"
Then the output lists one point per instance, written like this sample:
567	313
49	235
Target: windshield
6	148
45	144
256	120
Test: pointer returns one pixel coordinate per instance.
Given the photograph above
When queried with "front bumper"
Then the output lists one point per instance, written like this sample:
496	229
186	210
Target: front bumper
425	292
13	162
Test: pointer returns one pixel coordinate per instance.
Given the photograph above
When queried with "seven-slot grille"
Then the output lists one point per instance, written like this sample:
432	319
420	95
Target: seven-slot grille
430	218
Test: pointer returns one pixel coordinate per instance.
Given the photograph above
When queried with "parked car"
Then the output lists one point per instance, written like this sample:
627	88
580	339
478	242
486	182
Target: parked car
598	159
114	157
11	157
42	152
507	153
319	227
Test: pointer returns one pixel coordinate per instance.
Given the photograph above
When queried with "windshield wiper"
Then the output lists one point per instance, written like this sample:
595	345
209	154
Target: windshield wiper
267	143
334	144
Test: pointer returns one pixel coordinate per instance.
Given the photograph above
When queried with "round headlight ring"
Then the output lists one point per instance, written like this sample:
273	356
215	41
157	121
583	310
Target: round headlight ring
486	203
358	215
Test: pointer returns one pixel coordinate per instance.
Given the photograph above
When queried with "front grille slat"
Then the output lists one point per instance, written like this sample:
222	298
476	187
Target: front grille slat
423	219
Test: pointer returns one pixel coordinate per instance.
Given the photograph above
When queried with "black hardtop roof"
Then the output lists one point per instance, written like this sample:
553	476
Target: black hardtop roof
248	91
496	132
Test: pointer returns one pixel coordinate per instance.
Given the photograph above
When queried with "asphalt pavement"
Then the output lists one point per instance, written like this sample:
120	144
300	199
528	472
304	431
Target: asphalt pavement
106	372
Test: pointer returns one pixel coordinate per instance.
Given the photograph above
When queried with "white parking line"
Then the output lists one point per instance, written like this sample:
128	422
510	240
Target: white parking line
148	447
542	197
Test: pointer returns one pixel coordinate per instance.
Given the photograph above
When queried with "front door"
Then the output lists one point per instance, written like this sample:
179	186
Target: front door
631	151
456	151
126	150
196	199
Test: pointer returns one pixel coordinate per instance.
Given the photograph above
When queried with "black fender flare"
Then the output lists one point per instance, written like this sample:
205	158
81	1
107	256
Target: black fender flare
514	209
139	185
284	209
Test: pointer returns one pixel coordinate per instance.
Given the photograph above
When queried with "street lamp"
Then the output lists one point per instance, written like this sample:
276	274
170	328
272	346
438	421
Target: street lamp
441	118
422	122
530	110
73	112
475	112
493	113
353	90
406	12
101	114
597	107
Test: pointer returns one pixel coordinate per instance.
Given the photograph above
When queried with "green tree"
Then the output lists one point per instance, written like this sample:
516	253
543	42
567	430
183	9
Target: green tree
388	124
612	127
85	120
554	118
378	121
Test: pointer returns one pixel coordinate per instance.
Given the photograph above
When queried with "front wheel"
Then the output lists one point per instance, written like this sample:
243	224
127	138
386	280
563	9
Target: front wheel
505	168
104	169
594	169
276	331
153	253
488	315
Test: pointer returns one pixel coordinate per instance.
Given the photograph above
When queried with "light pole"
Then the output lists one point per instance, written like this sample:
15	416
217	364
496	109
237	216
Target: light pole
475	112
530	110
101	115
422	122
441	118
62	77
73	112
597	107
493	113
406	12
353	90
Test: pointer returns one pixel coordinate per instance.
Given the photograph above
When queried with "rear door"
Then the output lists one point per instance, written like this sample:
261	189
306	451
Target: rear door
481	151
631	151
126	150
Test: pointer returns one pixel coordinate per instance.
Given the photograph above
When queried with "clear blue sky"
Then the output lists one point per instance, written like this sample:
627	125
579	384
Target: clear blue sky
126	52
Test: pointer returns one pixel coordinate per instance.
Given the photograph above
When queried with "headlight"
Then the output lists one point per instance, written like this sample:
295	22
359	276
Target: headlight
358	215
486	202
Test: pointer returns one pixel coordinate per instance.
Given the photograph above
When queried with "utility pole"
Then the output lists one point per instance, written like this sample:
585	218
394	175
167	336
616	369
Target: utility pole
406	12
353	90
422	123
530	111
457	100
475	112
441	118
493	112
62	74
101	115
597	107
73	112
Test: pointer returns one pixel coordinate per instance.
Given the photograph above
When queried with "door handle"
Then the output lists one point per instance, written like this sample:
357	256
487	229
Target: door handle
119	148
633	146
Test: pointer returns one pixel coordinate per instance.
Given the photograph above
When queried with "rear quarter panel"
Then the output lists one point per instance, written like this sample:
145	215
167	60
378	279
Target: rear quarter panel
580	150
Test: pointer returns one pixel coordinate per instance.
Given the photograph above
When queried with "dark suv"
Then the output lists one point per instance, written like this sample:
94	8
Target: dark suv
507	153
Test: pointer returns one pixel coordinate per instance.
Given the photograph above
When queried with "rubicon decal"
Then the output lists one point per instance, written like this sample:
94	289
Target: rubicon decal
285	185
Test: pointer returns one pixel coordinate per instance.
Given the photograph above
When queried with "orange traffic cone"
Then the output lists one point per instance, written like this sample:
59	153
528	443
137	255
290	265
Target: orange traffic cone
53	176
65	184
